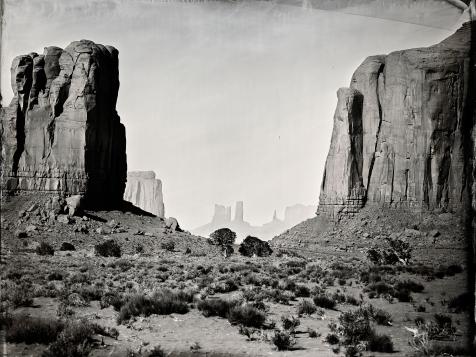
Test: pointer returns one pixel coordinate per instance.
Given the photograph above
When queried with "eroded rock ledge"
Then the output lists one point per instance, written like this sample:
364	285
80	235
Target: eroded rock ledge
61	131
398	131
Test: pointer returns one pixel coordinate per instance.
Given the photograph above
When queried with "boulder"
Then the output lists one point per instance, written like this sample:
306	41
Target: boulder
74	205
172	224
61	131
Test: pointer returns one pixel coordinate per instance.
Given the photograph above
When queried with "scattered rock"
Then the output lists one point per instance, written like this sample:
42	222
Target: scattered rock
112	223
64	218
103	230
21	213
365	235
172	224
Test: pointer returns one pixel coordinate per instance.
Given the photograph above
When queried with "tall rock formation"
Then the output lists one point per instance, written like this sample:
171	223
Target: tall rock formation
145	191
61	131
398	129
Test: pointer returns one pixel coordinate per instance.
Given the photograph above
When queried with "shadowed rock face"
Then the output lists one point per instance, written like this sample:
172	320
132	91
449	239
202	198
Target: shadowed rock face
398	131
61	132
145	191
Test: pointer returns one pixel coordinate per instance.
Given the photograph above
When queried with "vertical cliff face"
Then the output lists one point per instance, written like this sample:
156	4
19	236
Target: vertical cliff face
145	191
398	133
61	131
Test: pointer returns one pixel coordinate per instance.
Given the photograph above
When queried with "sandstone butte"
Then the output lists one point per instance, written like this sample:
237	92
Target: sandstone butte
399	132
145	191
61	131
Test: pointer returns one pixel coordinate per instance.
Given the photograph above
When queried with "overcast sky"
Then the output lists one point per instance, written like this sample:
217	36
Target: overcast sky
224	101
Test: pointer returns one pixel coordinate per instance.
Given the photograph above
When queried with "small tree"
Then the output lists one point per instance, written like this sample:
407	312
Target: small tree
253	246
224	238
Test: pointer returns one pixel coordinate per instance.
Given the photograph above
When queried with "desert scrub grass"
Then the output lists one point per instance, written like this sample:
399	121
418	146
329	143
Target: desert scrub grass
324	301
76	339
216	307
380	343
26	329
45	249
109	248
164	302
283	340
246	315
301	291
18	295
306	307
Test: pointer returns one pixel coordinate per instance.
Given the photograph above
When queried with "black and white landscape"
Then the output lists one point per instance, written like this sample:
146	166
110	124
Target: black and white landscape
343	130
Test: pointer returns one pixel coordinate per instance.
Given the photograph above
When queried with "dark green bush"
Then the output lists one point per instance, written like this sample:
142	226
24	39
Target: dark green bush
332	339
282	340
253	246
108	249
23	328
45	249
324	301
66	246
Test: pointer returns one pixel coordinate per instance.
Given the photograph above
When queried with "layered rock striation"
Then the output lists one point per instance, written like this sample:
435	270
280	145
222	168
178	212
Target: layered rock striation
398	131
61	131
145	191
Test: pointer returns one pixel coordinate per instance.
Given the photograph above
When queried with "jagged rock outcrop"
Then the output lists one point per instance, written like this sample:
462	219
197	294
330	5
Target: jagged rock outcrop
145	191
398	129
61	131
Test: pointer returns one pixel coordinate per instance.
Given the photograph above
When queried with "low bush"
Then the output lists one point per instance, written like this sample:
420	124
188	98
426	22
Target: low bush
216	307
55	276
45	249
246	315
25	329
332	339
282	340
409	285
169	246
301	291
324	301
305	307
66	246
19	295
108	249
460	303
164	302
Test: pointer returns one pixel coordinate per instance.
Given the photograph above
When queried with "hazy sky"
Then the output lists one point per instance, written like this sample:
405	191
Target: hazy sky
224	101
